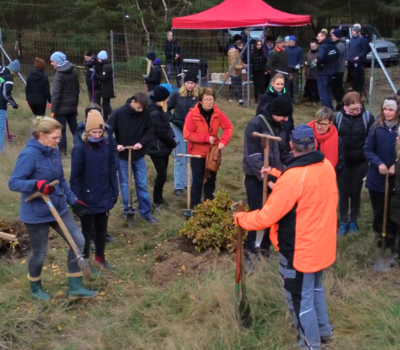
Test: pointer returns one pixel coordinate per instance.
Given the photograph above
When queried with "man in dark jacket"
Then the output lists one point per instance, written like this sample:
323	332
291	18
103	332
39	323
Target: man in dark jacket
90	61
337	80
37	89
278	60
105	75
6	86
311	88
154	77
295	61
273	123
65	96
328	55
132	126
172	57
356	56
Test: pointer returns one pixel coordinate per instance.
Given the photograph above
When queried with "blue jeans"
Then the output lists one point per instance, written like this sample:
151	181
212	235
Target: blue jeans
171	69
139	172
236	87
180	174
323	89
3	119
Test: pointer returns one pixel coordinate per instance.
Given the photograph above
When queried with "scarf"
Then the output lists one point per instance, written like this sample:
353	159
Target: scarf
391	123
328	143
93	140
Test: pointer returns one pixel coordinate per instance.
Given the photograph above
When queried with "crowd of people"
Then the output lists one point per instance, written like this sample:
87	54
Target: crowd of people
313	170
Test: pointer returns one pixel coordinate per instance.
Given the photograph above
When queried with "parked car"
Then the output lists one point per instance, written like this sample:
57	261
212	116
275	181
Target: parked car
387	51
227	34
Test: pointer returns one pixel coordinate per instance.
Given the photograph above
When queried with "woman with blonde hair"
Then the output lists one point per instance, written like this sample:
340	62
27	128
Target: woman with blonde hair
181	102
37	166
161	141
94	181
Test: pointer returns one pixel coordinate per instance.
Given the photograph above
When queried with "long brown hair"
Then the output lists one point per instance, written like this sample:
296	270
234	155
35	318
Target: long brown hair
381	120
263	54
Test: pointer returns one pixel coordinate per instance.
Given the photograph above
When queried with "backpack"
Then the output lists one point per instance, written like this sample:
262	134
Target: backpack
213	161
365	116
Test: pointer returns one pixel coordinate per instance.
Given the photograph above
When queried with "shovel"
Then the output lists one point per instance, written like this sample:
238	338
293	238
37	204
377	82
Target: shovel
130	216
242	310
84	264
383	255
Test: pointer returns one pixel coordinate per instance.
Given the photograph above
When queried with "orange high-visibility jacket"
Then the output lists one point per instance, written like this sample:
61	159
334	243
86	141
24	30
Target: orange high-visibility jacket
301	212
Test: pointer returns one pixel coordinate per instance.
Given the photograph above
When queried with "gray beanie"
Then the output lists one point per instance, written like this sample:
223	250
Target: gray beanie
14	66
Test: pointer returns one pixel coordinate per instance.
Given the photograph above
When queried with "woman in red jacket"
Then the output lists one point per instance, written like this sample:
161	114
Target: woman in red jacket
201	130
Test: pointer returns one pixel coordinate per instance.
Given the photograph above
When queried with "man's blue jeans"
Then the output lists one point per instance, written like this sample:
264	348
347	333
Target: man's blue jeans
323	89
139	172
180	174
3	119
174	70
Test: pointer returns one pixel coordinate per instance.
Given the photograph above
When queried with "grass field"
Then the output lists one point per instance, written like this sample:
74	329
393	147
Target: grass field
192	312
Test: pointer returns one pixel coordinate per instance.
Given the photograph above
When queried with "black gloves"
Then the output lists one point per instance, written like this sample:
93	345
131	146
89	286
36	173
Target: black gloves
80	209
15	106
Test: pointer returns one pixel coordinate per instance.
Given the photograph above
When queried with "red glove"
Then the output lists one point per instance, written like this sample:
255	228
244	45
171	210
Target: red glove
44	187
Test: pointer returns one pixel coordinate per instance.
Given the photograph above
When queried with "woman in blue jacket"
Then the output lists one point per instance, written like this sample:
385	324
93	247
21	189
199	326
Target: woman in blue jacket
94	182
37	166
380	151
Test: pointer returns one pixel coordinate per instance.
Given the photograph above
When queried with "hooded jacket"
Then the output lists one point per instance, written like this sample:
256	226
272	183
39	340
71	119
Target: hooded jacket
104	75
131	127
154	78
37	88
181	106
161	136
233	55
277	61
301	212
353	133
295	56
328	55
37	162
65	90
6	86
197	131
94	174
253	150
380	148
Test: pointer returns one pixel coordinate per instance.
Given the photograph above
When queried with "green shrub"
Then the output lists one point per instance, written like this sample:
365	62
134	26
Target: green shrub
212	225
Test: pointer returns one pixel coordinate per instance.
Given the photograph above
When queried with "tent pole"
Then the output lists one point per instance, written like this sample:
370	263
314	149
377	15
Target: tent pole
248	69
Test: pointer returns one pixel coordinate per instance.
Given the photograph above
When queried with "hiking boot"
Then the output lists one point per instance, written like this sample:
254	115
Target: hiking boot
352	227
249	262
77	290
178	193
110	239
37	290
103	263
157	207
151	219
342	230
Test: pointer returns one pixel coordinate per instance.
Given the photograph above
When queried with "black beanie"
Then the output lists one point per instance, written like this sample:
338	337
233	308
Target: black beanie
282	106
151	55
190	76
160	94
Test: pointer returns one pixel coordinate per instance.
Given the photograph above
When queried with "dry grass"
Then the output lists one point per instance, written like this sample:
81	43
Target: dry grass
192	313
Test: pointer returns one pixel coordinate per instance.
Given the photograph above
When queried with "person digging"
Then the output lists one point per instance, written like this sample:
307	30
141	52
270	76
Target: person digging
301	214
37	166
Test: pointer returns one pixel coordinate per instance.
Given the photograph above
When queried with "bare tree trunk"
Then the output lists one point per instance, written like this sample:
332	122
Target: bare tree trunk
128	55
143	24
166	10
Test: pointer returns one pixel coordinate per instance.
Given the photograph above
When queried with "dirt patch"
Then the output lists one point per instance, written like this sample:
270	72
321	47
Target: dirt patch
177	258
10	248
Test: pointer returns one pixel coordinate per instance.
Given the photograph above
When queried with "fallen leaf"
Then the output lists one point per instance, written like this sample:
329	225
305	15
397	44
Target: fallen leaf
59	294
59	327
102	293
183	268
191	296
23	262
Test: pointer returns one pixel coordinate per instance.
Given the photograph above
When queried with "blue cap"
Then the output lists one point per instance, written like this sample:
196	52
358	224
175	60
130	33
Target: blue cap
102	55
14	66
287	38
292	37
303	131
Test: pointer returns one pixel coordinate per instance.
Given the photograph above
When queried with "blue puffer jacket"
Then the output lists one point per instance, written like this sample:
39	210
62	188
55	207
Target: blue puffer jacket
380	148
37	162
94	175
328	55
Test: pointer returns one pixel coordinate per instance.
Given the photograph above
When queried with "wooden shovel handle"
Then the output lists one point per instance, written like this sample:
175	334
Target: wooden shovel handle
8	237
268	137
37	194
187	155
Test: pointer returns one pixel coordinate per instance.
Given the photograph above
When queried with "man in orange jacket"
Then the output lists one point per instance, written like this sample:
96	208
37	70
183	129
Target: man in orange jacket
301	213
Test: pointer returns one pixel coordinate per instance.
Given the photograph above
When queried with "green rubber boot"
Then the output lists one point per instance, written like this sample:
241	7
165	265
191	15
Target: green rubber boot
77	290
37	290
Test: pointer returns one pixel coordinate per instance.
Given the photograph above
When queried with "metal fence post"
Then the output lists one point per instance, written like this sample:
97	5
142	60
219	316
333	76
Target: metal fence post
112	54
248	70
1	44
372	77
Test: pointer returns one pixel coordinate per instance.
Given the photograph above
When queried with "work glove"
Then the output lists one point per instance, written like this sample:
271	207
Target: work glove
80	209
44	187
15	106
115	200
297	67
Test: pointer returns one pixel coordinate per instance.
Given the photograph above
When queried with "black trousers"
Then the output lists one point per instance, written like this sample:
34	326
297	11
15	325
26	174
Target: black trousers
107	109
63	119
95	223
161	165
350	184
198	166
39	110
259	84
378	205
254	191
267	78
311	90
357	77
337	87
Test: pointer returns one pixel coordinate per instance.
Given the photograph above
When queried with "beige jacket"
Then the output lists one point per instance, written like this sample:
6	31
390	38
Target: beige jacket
233	54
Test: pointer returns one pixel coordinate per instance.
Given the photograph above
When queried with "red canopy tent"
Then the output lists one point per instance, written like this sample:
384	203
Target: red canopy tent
239	13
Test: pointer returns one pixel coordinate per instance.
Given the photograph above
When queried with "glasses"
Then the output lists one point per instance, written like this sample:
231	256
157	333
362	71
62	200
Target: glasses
211	100
324	125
